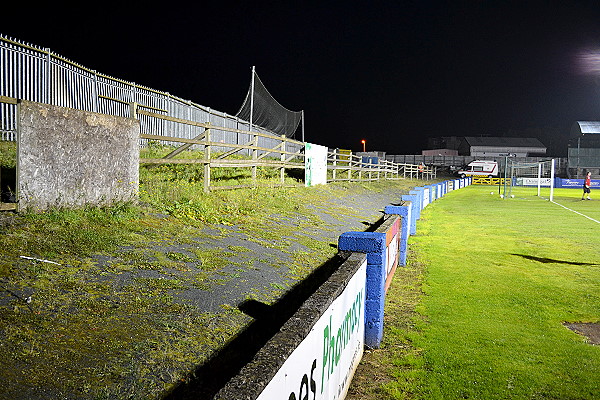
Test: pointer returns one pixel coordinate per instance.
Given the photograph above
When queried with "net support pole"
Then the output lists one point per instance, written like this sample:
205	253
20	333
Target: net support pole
252	96
552	181
302	126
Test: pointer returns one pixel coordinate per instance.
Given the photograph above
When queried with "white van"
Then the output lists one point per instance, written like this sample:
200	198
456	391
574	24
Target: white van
481	168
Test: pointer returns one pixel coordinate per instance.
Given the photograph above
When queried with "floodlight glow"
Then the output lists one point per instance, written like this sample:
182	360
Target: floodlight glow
589	62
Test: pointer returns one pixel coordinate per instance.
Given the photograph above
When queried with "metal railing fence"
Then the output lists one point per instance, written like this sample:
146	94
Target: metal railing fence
37	74
31	73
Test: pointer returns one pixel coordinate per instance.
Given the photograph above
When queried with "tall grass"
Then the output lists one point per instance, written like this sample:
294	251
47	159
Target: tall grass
500	278
8	154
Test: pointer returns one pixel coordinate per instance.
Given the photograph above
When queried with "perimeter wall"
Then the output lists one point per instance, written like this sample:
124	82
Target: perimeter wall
315	353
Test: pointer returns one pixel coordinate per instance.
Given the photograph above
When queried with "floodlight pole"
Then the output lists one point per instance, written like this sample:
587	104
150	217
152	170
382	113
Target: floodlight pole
578	144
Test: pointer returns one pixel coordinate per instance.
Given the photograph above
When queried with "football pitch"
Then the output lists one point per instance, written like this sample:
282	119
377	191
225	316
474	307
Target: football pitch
507	285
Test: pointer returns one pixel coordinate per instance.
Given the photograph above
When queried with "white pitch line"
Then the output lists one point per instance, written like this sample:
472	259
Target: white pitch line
576	212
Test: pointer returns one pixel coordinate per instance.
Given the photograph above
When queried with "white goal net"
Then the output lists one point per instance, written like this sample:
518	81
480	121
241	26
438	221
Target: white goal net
536	176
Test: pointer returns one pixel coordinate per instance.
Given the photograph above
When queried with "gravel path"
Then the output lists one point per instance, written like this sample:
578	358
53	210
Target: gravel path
258	266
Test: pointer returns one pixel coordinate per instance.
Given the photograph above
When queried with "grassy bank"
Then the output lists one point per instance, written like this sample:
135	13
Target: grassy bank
495	282
95	310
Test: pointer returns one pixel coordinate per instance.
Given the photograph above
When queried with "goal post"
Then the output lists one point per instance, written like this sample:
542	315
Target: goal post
531	175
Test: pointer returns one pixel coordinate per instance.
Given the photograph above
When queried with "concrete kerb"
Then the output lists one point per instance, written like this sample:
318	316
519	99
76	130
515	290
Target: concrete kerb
256	375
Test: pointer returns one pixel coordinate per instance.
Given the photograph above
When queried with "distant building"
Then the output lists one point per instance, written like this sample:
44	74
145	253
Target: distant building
500	146
378	154
487	146
445	142
440	152
584	148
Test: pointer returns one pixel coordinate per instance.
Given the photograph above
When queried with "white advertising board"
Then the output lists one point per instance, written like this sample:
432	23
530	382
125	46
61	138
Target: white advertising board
315	171
322	366
533	181
392	253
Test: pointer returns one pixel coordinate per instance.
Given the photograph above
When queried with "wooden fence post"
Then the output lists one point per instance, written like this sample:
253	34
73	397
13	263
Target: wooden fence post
282	170
360	168
333	173
350	167
254	157
133	110
207	149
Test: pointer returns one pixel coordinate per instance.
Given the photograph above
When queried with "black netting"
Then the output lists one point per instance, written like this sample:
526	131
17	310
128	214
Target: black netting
267	112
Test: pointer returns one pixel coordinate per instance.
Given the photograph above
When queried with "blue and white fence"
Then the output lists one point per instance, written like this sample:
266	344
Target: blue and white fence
315	353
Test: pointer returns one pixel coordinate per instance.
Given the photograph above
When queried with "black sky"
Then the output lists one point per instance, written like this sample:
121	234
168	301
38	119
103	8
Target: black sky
393	73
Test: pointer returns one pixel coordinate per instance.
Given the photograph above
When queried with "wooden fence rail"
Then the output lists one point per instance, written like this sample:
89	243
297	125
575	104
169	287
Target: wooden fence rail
285	154
342	165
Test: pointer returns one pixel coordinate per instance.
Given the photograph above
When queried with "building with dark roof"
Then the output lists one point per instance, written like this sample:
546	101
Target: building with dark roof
584	148
490	146
500	146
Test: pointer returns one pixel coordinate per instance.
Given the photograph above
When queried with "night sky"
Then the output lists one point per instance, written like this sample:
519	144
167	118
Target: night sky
393	73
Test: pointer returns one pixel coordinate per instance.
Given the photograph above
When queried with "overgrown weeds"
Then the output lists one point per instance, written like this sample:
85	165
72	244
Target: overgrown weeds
94	310
8	154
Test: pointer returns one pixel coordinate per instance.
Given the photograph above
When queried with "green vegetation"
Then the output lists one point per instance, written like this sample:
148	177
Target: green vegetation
96	312
479	311
176	177
8	154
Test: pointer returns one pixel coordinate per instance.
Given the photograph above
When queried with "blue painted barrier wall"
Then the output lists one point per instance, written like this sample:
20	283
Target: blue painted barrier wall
361	280
376	245
381	248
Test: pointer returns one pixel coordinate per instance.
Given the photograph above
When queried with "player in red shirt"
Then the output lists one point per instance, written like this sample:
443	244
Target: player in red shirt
586	186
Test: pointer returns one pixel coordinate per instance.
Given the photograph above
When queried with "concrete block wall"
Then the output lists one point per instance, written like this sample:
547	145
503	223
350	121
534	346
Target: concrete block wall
68	157
375	246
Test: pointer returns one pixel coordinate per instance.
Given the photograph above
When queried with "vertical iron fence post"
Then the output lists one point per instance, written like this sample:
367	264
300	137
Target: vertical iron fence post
48	76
